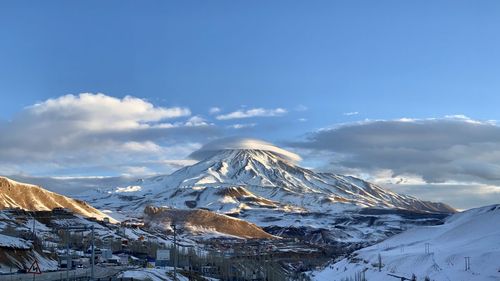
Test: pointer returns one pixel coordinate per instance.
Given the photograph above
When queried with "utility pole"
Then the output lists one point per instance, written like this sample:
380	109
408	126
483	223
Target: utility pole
68	256
34	232
379	262
68	259
92	259
467	263
175	251
34	239
427	248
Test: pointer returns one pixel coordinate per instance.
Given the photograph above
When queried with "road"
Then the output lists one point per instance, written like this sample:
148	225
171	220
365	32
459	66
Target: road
100	272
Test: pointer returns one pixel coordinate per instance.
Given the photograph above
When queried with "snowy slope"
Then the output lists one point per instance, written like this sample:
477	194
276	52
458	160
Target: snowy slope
151	274
235	180
267	189
33	198
474	233
14	242
265	175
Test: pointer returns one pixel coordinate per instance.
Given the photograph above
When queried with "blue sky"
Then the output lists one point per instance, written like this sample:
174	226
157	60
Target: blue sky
384	59
316	61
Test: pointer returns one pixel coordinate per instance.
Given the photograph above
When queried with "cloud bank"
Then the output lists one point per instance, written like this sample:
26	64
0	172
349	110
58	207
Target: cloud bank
96	112
96	131
450	149
216	146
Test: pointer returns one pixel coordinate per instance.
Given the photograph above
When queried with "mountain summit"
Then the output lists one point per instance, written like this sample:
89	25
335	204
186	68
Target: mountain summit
265	174
263	184
234	143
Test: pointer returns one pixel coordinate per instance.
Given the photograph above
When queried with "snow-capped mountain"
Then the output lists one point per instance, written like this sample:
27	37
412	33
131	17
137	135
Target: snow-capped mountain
265	186
236	180
437	252
265	179
34	198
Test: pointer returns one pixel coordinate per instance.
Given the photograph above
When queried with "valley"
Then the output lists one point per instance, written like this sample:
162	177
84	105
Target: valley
237	213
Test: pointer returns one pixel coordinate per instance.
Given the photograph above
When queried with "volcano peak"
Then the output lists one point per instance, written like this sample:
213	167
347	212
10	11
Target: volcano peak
245	146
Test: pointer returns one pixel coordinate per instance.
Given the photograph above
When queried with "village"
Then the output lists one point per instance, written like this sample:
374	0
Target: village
71	247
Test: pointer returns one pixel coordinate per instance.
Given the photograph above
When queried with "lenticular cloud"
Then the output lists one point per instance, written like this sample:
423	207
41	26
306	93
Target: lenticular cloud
216	146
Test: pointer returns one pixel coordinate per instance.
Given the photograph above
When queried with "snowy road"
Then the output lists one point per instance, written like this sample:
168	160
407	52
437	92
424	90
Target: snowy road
100	272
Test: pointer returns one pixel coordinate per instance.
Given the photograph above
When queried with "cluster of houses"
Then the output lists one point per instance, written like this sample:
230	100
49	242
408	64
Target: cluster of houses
80	259
128	244
49	235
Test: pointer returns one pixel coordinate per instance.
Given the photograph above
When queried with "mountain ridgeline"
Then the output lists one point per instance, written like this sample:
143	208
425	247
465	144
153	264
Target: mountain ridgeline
263	174
263	188
34	198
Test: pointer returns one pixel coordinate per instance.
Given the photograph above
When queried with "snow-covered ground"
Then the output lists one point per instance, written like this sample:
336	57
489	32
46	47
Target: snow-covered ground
17	252
438	252
152	274
14	242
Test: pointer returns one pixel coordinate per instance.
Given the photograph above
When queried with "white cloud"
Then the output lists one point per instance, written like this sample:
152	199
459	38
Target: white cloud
96	133
460	196
386	176
146	146
100	112
351	113
132	171
177	163
242	126
214	110
254	112
196	121
211	148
